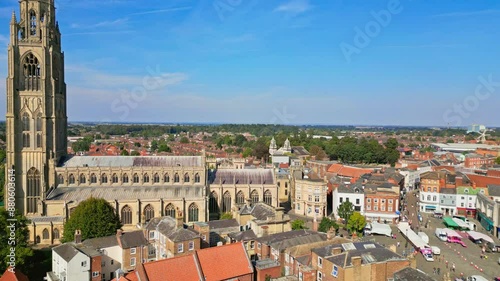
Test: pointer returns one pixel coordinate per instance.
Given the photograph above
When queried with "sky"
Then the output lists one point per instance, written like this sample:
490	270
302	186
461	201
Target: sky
336	62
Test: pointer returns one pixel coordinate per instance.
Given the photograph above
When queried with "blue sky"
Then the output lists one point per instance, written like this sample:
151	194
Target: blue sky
283	62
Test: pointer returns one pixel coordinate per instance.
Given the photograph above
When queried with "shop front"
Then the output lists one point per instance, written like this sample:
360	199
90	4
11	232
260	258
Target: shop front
486	222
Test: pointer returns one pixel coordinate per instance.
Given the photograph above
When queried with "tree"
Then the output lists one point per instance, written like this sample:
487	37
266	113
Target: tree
239	140
298	224
184	140
154	145
497	161
345	210
135	153
164	148
94	217
326	224
124	153
356	223
247	152
226	216
22	253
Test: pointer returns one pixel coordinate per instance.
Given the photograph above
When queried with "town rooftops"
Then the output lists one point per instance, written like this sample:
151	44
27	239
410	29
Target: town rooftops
214	261
102	242
11	274
168	227
132	161
284	240
299	151
174	269
368	251
66	251
132	239
242	176
111	193
243	235
494	190
219	224
36	220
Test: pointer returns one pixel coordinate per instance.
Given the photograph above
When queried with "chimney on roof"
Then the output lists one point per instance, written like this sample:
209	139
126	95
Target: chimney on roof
315	223
119	232
331	233
78	236
356	261
336	251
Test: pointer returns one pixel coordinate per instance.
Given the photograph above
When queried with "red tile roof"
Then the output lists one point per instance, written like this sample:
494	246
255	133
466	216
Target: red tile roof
347	171
224	262
483	181
173	269
13	275
284	165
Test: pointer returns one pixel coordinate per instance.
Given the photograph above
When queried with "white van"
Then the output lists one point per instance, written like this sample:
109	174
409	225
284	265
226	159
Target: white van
441	234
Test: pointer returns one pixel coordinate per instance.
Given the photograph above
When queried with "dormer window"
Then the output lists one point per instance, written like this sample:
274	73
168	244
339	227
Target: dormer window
466	190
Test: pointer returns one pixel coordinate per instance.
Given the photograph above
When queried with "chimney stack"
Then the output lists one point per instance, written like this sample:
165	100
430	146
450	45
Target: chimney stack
78	236
336	251
356	261
119	232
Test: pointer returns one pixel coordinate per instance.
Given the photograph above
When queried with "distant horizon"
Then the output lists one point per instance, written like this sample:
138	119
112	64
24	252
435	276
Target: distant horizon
278	62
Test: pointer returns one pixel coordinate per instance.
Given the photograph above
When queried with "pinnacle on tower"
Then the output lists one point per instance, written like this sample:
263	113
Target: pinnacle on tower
13	20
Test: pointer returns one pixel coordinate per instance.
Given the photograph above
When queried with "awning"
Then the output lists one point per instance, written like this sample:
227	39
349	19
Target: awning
382	216
479	236
430	207
484	217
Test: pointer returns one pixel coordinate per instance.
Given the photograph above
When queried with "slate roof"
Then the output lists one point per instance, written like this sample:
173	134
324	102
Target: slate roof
132	239
111	193
102	242
168	227
241	176
448	191
218	224
46	219
66	251
243	235
494	190
132	161
259	211
411	274
300	151
284	240
368	251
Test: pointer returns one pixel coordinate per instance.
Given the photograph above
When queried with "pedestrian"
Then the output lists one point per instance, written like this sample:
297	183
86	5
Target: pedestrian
439	271
446	264
434	270
398	244
453	267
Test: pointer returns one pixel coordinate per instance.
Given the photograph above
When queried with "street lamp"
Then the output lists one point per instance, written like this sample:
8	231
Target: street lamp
406	243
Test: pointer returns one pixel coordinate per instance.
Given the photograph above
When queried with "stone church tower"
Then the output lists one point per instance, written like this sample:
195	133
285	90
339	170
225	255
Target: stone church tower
36	103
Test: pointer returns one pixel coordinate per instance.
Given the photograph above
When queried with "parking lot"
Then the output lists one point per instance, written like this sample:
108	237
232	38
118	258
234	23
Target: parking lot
451	253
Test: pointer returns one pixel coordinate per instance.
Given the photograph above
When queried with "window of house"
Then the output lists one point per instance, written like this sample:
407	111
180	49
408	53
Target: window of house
357	201
320	276
316	198
320	262
375	200
95	273
389	208
466	190
132	251
461	204
382	207
368	207
391	201
435	189
341	199
191	245
151	235
258	246
103	263
84	263
132	262
252	244
347	199
368	200
180	248
375	208
428	198
298	206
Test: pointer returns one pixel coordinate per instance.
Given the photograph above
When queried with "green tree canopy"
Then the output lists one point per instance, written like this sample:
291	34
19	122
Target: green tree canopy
497	161
124	153
184	140
226	216
298	224
326	224
94	217
23	253
356	223
345	210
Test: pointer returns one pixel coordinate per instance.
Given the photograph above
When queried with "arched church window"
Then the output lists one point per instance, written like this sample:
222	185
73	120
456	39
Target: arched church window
42	17
166	178
193	212
146	178
125	178
136	178
60	179
104	178
33	190
126	215
33	22
71	179
176	177
93	178
26	140
186	177
82	178
114	178
31	71
26	122
170	211
197	177
156	178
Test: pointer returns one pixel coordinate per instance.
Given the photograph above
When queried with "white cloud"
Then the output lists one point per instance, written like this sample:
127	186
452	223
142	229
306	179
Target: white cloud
157	11
114	23
294	7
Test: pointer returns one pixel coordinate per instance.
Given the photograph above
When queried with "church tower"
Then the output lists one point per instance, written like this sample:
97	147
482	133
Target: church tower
36	103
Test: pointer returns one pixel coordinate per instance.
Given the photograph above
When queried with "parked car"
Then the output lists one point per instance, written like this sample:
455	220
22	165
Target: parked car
435	250
438	215
476	278
428	257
